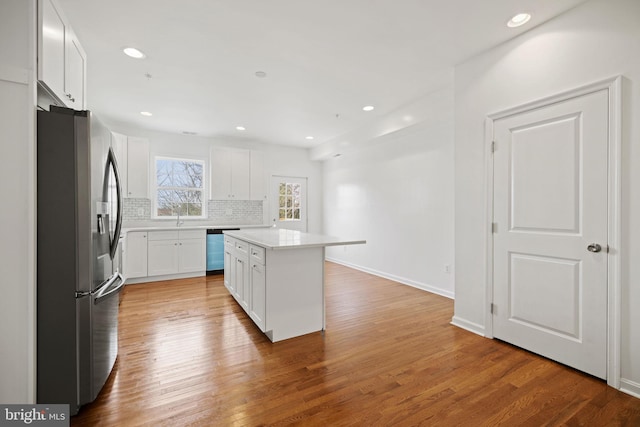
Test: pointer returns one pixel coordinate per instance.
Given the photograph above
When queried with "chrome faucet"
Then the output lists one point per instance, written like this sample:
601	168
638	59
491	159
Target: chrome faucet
178	222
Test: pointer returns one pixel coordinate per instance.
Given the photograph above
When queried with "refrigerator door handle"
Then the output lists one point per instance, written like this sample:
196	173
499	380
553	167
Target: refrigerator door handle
112	164
113	286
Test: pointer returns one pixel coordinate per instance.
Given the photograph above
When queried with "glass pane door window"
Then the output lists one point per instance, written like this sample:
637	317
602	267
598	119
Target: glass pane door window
289	201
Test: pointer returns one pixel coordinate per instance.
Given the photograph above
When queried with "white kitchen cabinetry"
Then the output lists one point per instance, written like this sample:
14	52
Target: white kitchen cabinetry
281	291
62	62
135	255
257	286
258	177
176	251
163	253
119	146
237	270
229	278
137	167
230	174
286	280
132	155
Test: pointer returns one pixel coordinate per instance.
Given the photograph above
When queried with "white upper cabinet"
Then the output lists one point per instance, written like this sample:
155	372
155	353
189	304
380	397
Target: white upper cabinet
230	174
74	72
132	155
51	47
137	167
258	178
119	146
62	62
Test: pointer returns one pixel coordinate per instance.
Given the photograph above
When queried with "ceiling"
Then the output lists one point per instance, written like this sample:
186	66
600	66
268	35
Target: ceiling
324	60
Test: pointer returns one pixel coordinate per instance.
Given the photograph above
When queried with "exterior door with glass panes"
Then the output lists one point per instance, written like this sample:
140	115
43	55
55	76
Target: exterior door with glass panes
289	202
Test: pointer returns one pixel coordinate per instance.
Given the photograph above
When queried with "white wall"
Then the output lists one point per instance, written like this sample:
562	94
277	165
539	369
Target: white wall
17	187
396	191
597	40
279	160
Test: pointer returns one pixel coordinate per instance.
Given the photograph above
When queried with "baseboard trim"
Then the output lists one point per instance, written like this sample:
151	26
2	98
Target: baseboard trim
476	328
630	387
402	280
133	281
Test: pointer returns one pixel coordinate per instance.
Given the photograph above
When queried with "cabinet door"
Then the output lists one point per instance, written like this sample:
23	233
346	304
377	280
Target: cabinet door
258	181
257	300
192	255
220	173
137	168
240	174
229	260
135	255
242	282
51	47
74	72
163	257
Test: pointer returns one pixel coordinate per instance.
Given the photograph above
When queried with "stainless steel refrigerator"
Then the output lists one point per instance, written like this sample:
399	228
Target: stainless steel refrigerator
79	219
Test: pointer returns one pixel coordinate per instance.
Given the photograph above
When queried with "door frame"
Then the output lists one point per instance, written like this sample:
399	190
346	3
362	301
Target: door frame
613	86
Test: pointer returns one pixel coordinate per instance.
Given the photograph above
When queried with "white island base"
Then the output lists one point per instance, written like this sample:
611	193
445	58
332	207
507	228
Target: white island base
277	277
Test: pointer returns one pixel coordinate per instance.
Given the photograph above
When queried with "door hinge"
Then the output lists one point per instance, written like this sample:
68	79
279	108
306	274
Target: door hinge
493	308
493	146
494	227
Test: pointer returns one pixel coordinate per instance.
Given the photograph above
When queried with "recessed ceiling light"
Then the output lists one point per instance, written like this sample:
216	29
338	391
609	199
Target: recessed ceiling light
240	128
368	108
261	74
146	113
133	52
308	137
518	20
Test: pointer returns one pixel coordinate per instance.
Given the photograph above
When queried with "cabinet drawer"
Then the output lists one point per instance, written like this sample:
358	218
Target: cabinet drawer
257	254
242	247
192	234
164	235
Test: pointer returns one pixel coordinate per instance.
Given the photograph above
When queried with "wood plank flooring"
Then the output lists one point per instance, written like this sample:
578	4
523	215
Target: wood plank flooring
189	355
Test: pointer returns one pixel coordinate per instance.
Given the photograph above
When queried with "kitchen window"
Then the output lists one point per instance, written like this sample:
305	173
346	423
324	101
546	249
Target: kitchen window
179	188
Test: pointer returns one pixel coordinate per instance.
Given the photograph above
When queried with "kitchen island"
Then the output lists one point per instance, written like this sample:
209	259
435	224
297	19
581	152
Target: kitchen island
277	277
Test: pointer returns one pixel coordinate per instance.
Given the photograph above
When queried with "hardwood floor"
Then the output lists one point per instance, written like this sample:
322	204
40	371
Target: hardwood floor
189	355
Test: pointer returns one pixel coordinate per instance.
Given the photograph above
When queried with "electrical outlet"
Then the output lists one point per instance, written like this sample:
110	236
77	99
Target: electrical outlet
447	268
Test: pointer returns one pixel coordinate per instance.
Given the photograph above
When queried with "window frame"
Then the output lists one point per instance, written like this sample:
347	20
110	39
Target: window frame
203	189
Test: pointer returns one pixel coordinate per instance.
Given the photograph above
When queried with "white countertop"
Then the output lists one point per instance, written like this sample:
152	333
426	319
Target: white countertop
279	238
187	227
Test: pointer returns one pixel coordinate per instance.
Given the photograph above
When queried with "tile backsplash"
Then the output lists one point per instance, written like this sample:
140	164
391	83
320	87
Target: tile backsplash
136	209
230	212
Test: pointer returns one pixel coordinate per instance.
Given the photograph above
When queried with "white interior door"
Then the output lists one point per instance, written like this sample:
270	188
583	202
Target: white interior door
550	217
289	202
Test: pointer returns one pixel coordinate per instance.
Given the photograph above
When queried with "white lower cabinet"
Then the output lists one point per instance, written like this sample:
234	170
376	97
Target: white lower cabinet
192	254
135	255
176	251
257	293
229	277
236	270
281	291
152	255
163	254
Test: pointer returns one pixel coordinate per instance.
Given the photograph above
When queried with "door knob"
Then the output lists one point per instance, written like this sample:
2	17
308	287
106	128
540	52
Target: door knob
594	247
